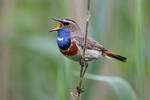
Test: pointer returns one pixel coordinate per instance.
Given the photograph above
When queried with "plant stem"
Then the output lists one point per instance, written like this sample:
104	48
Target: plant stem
139	50
86	29
79	88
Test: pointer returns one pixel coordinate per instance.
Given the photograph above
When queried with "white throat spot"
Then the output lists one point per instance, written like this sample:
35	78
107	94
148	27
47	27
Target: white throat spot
60	39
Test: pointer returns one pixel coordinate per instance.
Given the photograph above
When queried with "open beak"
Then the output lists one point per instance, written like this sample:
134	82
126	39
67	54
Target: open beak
60	25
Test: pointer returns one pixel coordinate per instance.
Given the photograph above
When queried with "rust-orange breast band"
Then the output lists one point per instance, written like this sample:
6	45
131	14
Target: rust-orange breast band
72	51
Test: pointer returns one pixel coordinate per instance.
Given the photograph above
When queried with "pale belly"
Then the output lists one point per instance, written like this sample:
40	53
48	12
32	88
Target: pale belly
89	55
92	54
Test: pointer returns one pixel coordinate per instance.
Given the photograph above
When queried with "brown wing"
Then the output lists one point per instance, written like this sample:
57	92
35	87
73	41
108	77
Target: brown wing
91	43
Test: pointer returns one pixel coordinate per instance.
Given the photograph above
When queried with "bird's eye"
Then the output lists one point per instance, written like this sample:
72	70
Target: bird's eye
66	23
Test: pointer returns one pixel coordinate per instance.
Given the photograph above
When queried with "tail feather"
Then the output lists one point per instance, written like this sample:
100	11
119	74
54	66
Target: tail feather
113	55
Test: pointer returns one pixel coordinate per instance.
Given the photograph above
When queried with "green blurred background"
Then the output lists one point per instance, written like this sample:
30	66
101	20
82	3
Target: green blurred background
32	68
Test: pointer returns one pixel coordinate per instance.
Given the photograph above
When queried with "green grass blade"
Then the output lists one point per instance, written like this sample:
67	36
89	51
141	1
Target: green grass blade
139	50
68	74
61	84
121	87
64	80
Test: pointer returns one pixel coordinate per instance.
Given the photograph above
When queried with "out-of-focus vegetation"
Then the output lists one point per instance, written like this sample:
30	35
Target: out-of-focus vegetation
32	68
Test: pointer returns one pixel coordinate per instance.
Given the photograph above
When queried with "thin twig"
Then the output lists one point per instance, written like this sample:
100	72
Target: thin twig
79	88
86	29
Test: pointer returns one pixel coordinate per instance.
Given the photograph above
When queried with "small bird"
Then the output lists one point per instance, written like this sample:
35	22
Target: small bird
70	41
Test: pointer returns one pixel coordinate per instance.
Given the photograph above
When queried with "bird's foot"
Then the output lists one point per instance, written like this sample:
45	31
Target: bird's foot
79	90
83	63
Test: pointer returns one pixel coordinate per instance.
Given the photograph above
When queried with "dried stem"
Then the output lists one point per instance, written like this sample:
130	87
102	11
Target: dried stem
83	70
6	31
86	29
79	88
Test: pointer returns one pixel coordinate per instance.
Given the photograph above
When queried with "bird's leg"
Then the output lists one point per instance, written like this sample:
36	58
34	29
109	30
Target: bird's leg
82	63
86	66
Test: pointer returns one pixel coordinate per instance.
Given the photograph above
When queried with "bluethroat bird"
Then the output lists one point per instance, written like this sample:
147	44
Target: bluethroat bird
70	41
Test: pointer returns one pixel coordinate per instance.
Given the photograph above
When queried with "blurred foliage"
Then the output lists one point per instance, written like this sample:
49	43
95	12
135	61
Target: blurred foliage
32	68
121	87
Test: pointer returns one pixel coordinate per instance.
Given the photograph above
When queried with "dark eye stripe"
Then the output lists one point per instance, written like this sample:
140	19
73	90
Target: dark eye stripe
66	23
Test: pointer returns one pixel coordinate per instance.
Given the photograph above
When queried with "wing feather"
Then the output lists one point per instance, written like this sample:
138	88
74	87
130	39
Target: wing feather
91	43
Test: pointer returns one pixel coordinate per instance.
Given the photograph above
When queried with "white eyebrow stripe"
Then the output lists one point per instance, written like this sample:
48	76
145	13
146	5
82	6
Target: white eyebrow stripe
67	21
60	39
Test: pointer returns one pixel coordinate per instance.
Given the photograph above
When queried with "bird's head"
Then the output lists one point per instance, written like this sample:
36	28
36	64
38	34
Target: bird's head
71	25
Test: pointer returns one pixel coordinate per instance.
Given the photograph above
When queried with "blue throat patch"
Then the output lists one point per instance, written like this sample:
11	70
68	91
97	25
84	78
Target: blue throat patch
63	39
